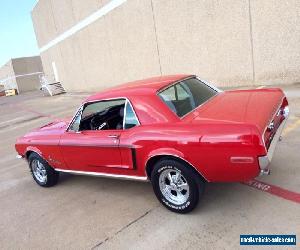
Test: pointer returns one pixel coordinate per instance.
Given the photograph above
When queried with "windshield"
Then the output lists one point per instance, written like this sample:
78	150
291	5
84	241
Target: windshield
186	95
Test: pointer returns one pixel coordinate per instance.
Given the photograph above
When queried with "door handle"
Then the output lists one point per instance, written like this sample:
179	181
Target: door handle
113	136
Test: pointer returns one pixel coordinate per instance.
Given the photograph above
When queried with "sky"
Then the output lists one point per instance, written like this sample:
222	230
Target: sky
17	38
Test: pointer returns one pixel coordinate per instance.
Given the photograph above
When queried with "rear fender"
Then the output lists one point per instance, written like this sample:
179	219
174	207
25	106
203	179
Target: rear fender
174	153
165	151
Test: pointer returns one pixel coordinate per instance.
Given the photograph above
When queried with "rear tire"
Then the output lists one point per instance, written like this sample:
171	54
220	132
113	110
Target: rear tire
41	171
176	185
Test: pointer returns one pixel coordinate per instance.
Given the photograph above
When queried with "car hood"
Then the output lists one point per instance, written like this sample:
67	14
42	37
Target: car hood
52	128
256	107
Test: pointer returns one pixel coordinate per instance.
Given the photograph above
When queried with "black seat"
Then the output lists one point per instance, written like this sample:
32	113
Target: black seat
120	123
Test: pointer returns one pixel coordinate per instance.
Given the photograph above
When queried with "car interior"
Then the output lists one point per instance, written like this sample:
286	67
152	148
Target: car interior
186	95
179	99
109	118
180	107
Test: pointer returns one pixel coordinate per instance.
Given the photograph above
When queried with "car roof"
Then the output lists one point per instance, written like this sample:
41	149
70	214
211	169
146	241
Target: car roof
139	87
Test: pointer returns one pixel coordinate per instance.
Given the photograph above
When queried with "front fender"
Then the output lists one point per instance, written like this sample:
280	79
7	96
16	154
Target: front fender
34	149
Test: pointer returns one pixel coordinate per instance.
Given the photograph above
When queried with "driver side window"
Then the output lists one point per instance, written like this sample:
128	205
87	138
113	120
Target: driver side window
103	115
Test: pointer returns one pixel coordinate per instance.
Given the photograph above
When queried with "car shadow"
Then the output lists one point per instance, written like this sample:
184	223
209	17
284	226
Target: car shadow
226	196
216	195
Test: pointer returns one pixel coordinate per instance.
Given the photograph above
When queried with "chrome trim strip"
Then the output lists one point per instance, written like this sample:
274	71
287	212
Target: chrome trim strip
275	140
270	120
186	78
264	161
209	85
126	177
124	114
97	145
72	120
173	83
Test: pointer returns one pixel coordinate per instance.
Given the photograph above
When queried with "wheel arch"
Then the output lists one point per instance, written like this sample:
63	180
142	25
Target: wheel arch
39	153
28	153
30	150
152	160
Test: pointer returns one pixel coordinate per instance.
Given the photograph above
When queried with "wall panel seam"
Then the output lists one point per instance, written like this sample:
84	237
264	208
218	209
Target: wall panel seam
156	39
251	40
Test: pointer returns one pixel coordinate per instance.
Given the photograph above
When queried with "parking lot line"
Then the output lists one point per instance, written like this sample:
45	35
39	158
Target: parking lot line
291	127
274	190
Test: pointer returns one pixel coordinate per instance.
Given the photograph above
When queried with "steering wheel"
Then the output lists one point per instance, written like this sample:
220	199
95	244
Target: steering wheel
104	125
97	124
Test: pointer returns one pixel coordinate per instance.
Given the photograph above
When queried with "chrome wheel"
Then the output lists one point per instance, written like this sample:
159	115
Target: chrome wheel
174	186
39	171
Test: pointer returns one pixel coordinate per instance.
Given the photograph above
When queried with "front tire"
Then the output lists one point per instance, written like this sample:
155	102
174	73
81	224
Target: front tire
176	185
43	174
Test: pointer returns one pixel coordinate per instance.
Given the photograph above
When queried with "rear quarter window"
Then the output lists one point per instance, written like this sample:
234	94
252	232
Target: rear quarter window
186	95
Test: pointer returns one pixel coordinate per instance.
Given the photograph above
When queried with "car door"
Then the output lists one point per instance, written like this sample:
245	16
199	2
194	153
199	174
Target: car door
91	150
127	137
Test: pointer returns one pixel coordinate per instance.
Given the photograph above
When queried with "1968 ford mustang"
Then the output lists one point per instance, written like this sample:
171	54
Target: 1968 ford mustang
179	132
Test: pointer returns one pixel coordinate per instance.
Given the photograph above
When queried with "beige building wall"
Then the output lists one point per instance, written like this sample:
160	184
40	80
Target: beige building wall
230	43
276	39
21	73
209	38
27	70
7	76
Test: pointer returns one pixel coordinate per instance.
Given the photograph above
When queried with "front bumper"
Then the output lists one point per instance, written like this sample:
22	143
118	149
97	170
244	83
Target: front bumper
19	156
264	161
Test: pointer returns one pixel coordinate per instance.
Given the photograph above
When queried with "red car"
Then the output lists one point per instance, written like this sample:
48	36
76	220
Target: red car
179	132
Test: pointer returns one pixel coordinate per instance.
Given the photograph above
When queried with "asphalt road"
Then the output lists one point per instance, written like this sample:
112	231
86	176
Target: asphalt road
94	213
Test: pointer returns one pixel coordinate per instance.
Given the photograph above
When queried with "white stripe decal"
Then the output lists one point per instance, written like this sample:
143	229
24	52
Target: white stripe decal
16	76
85	22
